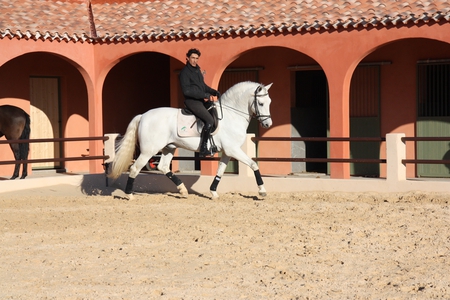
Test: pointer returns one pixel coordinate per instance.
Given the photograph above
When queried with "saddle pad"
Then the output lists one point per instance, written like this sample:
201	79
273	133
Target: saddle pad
187	125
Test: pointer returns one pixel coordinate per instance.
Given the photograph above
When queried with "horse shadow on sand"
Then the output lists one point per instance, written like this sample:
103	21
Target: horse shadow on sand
145	183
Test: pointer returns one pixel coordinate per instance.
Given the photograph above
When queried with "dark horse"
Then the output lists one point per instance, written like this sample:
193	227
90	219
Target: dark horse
15	125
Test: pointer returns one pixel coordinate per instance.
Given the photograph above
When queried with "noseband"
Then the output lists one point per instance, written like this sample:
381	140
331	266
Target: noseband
258	116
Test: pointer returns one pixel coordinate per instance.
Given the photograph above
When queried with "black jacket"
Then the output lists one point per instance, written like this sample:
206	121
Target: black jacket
193	84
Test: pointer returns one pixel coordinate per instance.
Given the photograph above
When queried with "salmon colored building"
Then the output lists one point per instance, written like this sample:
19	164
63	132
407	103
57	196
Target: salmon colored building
339	69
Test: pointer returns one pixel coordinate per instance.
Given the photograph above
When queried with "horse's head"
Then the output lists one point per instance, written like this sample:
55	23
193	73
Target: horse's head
261	105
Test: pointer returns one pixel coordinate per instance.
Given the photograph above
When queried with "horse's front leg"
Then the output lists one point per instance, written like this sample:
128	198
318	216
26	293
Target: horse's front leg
222	166
164	167
24	171
241	156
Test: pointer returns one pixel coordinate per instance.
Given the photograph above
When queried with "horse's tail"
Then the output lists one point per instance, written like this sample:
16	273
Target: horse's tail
125	149
24	148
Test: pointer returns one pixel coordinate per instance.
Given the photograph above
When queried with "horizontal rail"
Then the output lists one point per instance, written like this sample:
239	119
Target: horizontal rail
265	159
320	139
42	160
425	161
425	139
49	140
326	160
53	140
195	158
289	159
347	139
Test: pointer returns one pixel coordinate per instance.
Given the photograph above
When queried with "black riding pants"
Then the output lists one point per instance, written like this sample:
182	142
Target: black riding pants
198	108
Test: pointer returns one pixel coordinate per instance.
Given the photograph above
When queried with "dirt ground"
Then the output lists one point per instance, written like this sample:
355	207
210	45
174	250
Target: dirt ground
58	243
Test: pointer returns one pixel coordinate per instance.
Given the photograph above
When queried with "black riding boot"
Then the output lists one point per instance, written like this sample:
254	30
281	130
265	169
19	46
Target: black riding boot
206	133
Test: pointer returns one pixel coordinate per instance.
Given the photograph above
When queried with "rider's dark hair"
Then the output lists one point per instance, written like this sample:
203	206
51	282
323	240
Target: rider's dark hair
193	50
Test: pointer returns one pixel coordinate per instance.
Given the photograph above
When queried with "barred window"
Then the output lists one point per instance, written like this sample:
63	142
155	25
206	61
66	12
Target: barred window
433	89
365	91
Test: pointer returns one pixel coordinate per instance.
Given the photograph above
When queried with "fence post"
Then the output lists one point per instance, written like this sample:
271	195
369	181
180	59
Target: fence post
110	146
395	153
249	148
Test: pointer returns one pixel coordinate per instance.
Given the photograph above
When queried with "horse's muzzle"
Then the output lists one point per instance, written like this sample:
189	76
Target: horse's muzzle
266	123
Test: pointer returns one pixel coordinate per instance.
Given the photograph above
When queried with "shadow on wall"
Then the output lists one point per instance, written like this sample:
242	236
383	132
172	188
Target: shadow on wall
447	157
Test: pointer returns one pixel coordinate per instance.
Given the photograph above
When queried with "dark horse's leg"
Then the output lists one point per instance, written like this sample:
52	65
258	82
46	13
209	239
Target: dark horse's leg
15	150
24	148
15	125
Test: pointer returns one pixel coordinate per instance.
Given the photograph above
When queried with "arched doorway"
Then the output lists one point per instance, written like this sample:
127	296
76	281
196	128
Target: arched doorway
136	84
55	90
414	90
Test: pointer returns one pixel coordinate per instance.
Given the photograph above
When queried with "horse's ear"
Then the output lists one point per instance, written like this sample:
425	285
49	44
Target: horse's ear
268	86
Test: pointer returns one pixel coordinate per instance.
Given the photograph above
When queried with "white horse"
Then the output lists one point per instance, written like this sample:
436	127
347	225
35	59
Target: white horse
156	131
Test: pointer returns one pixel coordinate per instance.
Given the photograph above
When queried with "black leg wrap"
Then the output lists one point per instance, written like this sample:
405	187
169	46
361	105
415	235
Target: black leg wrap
129	187
259	180
214	184
174	178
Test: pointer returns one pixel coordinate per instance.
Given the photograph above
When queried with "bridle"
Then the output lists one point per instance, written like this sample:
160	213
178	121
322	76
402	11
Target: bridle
258	116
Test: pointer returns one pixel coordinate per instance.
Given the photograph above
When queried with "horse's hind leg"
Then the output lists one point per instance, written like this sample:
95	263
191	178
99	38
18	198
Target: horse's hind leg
222	166
23	150
15	150
140	162
164	167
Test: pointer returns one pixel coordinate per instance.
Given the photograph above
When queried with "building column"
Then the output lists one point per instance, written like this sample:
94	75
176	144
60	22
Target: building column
339	108
95	114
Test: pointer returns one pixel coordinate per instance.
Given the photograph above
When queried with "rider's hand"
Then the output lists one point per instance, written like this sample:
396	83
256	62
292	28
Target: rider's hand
209	97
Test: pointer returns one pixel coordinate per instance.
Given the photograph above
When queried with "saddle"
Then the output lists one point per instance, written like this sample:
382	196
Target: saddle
188	125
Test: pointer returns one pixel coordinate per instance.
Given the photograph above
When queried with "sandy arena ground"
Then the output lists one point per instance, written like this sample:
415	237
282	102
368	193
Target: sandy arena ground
59	243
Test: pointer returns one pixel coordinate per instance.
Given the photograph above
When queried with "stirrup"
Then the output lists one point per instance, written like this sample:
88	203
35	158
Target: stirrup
206	153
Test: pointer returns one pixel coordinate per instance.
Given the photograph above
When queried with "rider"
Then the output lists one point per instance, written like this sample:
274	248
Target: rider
197	94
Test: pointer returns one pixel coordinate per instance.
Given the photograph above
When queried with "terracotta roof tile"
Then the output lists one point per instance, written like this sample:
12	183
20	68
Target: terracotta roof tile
167	19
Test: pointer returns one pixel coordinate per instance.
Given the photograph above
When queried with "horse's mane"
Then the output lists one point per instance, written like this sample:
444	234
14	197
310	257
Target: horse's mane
236	92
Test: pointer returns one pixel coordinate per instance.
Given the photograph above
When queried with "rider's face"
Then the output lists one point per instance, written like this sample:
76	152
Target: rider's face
193	59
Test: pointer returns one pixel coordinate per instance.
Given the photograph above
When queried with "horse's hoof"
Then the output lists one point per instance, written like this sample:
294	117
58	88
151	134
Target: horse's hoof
122	195
262	191
184	195
214	195
262	195
182	190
